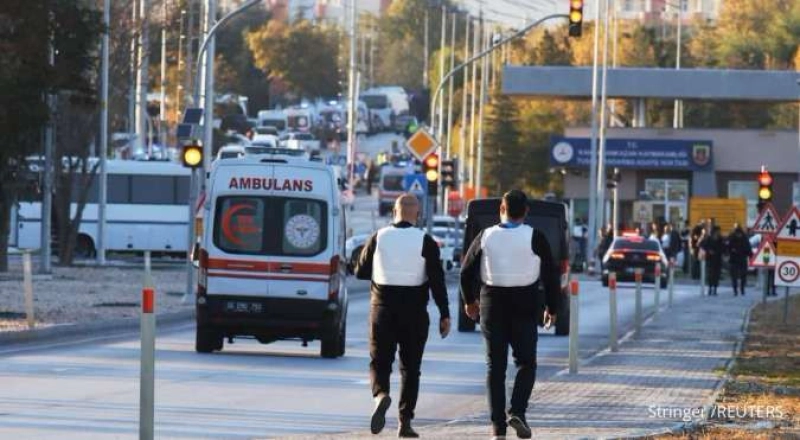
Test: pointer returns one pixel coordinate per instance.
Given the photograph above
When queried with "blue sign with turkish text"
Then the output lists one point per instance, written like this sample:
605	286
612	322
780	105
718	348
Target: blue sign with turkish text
686	155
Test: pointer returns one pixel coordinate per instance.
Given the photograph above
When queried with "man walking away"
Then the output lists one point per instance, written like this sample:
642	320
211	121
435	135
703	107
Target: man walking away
509	261
739	253
713	246
403	264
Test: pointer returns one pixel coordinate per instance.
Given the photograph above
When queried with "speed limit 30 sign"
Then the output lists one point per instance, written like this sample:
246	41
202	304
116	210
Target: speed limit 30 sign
787	264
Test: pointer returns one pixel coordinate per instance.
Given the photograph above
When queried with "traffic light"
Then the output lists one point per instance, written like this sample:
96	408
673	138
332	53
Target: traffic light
192	155
764	188
449	178
575	17
430	167
613	179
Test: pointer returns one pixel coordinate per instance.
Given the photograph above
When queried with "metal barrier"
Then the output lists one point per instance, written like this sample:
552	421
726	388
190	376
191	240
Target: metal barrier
148	356
613	344
637	319
573	326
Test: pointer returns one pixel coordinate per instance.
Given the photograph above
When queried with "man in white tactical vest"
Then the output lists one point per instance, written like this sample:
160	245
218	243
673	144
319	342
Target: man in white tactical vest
503	269
403	264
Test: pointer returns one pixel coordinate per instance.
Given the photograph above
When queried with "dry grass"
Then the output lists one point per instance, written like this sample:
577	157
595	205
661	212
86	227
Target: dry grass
766	376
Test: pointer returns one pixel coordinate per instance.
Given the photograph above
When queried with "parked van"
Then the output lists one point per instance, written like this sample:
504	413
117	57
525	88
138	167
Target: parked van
390	187
300	119
273	118
271	258
548	217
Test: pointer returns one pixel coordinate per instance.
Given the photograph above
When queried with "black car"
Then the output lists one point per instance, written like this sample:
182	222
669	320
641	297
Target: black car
548	217
630	252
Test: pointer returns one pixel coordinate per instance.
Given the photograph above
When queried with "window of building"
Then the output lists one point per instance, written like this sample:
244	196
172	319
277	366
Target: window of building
749	191
669	198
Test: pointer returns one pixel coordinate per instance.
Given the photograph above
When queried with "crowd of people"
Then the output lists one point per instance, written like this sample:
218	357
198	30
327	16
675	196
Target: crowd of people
688	248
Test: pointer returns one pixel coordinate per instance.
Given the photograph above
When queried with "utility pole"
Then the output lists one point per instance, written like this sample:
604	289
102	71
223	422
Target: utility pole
442	43
103	196
162	110
425	52
462	144
188	84
601	155
142	77
678	116
484	85
134	86
592	226
353	98
208	114
476	42
454	23
178	85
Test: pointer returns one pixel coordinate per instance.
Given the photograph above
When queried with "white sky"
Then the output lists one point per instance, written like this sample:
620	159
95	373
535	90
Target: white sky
514	13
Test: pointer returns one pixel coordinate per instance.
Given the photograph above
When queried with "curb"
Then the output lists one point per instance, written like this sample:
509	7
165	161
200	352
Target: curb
103	327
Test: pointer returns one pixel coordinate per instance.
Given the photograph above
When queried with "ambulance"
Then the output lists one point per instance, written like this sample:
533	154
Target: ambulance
271	262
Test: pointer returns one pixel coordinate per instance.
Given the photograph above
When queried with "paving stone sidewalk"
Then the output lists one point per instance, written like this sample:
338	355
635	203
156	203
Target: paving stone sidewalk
657	381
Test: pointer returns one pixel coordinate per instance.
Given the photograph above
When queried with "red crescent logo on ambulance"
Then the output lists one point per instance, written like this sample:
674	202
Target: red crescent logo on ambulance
227	227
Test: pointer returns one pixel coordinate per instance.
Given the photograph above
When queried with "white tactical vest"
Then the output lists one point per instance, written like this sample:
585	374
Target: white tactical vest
508	260
398	257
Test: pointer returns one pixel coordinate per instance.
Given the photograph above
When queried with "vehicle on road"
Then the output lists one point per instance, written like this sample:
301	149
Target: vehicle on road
299	119
146	211
548	217
273	118
266	134
390	187
299	141
271	258
629	252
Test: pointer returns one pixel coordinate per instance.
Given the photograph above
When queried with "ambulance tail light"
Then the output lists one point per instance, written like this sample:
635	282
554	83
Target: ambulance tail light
333	287
202	276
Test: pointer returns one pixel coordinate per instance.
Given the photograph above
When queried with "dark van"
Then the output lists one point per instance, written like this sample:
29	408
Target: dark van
548	217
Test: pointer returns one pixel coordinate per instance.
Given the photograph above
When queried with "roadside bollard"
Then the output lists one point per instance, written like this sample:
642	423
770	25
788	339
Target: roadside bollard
148	355
612	309
27	285
657	296
702	277
671	283
762	284
573	326
637	319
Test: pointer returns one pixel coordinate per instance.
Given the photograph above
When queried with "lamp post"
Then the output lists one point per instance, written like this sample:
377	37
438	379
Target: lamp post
677	117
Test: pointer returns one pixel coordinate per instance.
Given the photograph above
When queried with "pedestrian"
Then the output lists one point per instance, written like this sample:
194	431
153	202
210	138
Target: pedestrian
685	242
713	246
698	234
500	278
739	253
673	242
403	263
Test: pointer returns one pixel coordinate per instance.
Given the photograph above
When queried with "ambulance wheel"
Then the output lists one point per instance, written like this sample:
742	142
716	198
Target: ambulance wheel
465	323
207	340
333	346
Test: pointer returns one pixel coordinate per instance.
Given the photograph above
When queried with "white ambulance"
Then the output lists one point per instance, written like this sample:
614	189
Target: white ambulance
271	259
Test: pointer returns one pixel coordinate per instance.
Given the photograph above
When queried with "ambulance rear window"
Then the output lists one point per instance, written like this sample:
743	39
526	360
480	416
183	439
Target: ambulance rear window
393	183
271	226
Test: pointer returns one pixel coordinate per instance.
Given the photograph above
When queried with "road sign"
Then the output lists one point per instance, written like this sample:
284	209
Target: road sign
421	144
764	256
787	272
788	248
767	221
415	184
790	226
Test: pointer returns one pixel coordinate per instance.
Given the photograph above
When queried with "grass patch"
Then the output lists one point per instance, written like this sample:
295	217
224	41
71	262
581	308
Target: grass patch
766	375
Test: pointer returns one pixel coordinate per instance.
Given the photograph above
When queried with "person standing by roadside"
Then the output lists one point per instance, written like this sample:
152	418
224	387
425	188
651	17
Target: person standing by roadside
673	242
697	236
713	246
739	253
500	277
403	264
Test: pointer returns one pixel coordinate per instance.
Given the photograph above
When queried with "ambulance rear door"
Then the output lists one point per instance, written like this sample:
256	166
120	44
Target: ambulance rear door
236	238
302	233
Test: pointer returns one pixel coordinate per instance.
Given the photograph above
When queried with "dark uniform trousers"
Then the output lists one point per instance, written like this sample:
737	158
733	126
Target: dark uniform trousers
509	317
394	325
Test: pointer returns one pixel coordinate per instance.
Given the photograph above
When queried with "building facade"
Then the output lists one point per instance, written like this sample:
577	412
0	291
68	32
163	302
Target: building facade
668	167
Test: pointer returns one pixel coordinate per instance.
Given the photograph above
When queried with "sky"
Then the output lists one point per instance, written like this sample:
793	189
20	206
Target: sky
515	12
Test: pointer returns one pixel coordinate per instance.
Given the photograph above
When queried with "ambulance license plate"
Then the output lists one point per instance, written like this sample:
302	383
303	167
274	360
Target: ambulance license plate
244	307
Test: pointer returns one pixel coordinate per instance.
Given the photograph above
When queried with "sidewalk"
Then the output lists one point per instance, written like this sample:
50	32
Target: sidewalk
656	382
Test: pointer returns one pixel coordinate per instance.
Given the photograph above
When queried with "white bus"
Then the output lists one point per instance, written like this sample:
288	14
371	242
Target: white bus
146	210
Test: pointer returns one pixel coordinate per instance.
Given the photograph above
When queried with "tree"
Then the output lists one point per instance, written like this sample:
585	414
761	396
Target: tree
503	152
302	55
27	29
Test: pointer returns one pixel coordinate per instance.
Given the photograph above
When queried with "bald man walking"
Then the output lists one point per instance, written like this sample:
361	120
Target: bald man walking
403	264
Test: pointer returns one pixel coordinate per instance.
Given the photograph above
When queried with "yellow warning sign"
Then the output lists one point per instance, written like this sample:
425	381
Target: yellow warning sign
724	212
788	248
421	144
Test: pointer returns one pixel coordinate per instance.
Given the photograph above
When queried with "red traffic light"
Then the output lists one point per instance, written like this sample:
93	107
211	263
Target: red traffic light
765	178
432	161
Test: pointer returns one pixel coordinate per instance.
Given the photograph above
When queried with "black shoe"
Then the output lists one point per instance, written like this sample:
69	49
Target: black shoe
406	431
520	425
378	421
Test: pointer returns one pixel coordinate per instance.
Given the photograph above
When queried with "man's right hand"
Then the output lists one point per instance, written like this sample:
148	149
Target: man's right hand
472	310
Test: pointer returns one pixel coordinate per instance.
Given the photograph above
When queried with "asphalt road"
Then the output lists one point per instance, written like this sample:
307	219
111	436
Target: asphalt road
89	389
